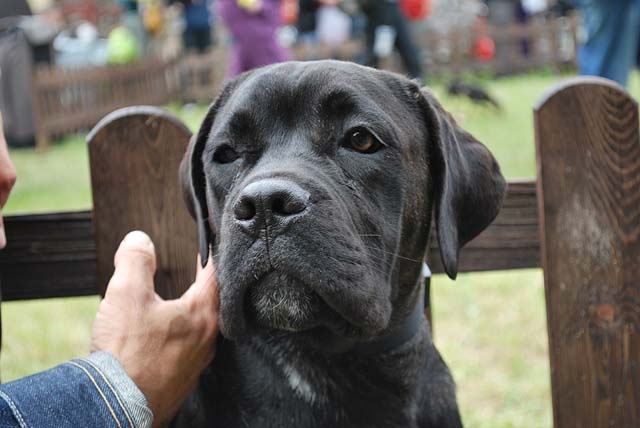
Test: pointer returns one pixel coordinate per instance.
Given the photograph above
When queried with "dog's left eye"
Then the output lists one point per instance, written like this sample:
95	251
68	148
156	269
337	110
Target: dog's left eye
225	154
362	141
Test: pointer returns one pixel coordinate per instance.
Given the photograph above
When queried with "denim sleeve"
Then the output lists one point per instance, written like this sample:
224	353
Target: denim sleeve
89	392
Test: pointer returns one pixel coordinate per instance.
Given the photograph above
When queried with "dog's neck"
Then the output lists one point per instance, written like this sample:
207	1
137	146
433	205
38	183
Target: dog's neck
388	369
312	376
407	329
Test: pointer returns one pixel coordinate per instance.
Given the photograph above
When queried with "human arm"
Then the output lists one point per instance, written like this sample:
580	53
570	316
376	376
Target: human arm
150	354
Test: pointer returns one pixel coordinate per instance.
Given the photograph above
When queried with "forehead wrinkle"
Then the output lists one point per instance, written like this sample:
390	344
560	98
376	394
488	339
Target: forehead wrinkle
254	109
336	101
242	120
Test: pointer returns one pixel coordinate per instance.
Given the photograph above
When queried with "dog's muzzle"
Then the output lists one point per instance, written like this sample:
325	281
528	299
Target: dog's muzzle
265	209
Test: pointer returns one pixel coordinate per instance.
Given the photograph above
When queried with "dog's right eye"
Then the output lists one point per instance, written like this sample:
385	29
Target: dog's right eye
362	141
225	154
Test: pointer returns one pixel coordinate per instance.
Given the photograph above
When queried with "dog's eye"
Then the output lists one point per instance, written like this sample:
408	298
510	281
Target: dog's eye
362	141
225	154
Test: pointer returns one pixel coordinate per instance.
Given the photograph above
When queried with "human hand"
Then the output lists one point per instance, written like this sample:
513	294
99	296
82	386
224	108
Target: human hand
7	179
163	345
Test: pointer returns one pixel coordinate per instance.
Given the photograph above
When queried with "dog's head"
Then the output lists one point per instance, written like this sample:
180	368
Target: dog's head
315	183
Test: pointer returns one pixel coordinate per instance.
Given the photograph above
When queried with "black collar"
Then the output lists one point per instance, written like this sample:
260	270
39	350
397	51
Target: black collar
402	334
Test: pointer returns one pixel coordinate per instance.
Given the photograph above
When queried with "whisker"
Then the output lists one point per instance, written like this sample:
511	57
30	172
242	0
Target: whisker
390	253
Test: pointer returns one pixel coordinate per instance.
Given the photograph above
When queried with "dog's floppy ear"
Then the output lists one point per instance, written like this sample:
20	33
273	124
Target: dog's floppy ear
468	188
192	177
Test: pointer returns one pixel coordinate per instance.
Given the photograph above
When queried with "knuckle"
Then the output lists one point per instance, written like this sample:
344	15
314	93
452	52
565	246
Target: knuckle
205	325
117	283
210	328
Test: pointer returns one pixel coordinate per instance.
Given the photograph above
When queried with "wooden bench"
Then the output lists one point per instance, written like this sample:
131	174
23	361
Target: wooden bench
580	222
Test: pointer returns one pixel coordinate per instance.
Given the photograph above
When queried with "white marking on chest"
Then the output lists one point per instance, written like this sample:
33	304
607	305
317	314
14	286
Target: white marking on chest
300	386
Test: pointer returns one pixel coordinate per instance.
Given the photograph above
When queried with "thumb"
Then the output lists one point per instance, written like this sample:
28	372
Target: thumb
204	291
135	265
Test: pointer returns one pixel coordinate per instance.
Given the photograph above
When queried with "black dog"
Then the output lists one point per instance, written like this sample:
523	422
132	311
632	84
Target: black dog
315	183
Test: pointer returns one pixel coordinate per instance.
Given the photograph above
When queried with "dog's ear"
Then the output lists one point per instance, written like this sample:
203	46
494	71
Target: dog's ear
193	183
192	176
468	188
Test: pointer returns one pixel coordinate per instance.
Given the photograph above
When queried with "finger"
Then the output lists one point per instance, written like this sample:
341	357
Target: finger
7	178
3	238
135	265
204	291
7	171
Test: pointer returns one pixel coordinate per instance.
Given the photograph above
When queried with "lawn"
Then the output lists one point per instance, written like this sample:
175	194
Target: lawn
490	327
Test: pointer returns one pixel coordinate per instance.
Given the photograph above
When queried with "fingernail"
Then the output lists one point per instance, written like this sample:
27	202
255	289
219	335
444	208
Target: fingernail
138	238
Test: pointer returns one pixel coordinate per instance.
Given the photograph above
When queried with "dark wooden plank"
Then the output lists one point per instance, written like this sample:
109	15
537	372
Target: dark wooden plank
588	151
134	155
48	255
511	242
54	255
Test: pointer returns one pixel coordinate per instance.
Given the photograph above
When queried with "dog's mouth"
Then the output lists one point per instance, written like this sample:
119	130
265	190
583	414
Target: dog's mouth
274	285
280	302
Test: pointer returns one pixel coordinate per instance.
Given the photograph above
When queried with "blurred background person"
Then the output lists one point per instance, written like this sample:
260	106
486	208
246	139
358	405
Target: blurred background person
333	26
132	22
253	25
197	32
25	40
323	21
387	28
611	31
502	13
307	21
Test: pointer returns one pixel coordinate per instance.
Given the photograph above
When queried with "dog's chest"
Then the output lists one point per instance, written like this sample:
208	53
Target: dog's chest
278	393
305	389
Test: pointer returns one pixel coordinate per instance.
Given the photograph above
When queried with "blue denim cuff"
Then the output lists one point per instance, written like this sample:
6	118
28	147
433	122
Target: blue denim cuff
123	387
88	392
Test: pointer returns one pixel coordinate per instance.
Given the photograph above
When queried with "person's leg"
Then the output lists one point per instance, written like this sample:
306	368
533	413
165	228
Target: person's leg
501	14
611	30
188	39
408	51
203	39
371	59
638	55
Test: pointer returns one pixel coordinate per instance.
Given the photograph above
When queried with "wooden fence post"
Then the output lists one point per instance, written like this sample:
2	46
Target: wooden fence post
134	154
588	153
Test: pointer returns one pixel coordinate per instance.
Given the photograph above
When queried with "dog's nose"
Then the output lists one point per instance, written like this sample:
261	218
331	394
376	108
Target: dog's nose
274	201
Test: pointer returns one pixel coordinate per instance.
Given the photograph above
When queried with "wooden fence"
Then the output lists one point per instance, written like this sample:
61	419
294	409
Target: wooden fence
579	221
70	100
202	75
67	101
540	43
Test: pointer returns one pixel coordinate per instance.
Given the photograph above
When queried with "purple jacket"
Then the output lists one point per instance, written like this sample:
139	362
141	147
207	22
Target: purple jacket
254	38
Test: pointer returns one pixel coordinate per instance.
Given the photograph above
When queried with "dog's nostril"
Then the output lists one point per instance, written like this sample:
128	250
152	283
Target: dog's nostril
270	202
287	204
245	209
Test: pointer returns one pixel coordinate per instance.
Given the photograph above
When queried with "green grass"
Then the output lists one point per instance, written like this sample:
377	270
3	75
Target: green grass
507	132
38	334
55	180
490	327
